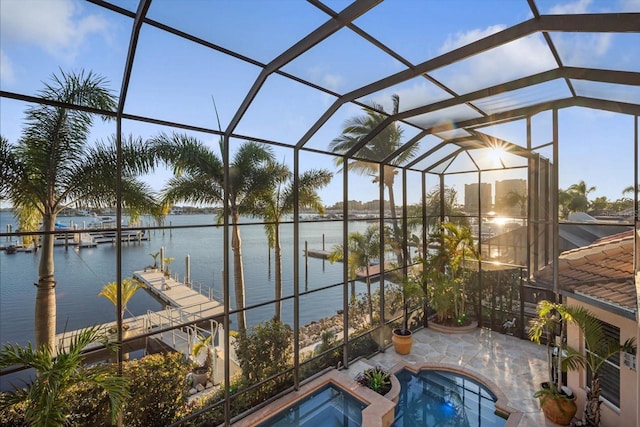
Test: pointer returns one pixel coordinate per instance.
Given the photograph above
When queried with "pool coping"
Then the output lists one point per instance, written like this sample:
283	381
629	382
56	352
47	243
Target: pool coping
514	416
379	412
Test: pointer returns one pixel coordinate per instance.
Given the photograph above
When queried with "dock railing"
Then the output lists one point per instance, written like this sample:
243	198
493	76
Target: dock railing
205	290
166	319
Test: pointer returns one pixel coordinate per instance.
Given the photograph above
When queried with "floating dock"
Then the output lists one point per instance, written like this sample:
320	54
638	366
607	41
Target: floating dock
189	302
317	253
184	304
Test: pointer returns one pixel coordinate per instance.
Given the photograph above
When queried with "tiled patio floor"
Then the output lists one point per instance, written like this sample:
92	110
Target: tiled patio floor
516	366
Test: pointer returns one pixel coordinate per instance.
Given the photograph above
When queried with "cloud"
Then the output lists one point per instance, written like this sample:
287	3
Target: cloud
7	75
581	49
58	27
580	6
332	81
519	58
460	39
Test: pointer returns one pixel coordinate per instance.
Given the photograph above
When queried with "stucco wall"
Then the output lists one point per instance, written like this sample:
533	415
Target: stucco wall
626	415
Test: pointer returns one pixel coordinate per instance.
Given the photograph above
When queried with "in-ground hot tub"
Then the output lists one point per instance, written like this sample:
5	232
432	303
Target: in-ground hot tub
328	406
443	395
334	399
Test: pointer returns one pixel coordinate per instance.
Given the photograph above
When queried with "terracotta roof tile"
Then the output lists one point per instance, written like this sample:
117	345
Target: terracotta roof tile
602	270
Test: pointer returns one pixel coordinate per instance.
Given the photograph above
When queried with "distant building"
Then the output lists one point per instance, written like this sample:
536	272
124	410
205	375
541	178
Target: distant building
503	188
471	197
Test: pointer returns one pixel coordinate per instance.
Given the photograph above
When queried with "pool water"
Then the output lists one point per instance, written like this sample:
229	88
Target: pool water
329	406
443	399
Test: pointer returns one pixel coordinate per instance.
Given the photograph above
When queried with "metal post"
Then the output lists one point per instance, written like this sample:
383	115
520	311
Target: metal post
187	274
306	265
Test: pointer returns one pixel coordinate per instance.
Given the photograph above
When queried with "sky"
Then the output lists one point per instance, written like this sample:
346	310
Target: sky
177	80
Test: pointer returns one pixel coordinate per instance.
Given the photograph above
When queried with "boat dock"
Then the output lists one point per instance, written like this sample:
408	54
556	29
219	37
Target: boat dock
188	301
317	253
184	304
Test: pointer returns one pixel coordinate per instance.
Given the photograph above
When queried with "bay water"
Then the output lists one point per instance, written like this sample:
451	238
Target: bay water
81	273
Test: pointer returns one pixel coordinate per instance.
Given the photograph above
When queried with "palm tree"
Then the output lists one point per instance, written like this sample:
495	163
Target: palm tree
451	208
444	270
577	197
515	198
52	166
598	347
378	148
581	188
57	375
630	190
199	178
278	201
363	248
129	287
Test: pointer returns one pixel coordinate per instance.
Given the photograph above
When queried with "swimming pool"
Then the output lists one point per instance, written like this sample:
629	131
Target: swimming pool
328	406
432	397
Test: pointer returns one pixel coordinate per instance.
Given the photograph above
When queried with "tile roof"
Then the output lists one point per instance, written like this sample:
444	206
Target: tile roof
602	270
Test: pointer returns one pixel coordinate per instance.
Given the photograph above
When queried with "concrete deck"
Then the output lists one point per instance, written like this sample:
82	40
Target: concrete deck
515	366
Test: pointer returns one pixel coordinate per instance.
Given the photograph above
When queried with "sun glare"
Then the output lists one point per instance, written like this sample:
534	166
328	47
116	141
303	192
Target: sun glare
496	155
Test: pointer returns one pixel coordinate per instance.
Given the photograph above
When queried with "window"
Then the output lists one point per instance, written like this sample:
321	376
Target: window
610	370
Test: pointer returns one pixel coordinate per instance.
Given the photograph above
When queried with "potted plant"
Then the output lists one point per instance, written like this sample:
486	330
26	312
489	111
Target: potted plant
110	291
556	401
155	256
402	338
377	379
167	262
202	370
444	277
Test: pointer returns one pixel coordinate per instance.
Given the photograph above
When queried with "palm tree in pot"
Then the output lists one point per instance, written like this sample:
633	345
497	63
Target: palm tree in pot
202	371
110	292
598	348
402	338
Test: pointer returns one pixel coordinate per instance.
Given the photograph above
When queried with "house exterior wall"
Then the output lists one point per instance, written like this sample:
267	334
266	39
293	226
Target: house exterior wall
627	414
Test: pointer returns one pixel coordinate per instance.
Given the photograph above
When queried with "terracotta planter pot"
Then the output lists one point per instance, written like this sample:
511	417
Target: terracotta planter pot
402	340
559	410
200	376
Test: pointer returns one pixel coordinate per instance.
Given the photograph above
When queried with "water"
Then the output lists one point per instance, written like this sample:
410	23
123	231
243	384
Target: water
327	407
81	273
441	398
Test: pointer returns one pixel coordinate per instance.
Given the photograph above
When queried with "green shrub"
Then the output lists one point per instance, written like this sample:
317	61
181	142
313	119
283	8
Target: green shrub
377	379
264	350
158	390
13	415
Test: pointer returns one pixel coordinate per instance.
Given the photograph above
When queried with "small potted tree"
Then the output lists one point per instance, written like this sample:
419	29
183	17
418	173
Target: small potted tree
556	400
110	291
155	256
402	338
167	262
201	372
557	403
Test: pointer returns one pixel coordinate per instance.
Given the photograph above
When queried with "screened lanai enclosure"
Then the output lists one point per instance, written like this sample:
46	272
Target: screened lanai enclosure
293	166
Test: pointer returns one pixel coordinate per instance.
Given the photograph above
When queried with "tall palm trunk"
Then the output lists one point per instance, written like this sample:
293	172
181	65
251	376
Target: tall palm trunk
278	268
45	310
388	180
593	402
238	271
